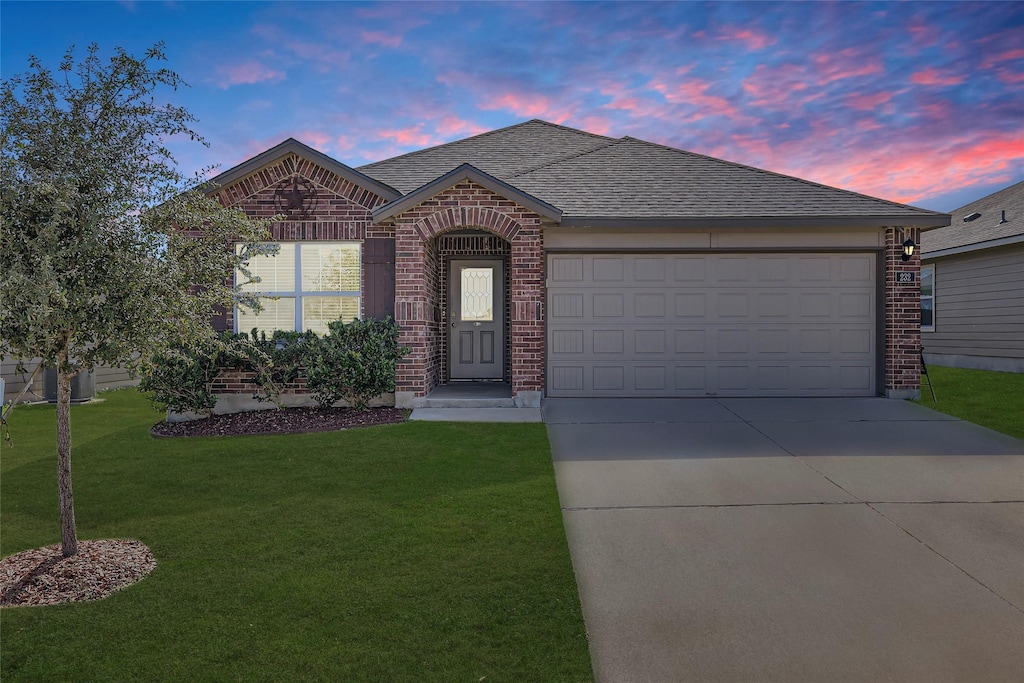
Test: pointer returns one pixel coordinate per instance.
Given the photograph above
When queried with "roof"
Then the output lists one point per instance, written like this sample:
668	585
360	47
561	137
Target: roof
634	179
466	172
600	181
1000	222
500	153
293	146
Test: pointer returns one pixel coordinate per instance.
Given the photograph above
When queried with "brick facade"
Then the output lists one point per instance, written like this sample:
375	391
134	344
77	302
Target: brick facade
902	316
342	210
418	289
423	242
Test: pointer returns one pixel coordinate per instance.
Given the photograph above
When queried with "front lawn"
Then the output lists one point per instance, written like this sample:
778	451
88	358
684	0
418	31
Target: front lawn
992	399
413	552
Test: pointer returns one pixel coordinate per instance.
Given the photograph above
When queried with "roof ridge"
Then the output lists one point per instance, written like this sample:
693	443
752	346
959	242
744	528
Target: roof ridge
782	175
575	155
479	135
1008	190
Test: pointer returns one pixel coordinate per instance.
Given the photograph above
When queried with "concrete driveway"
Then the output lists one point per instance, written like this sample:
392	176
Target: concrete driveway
792	539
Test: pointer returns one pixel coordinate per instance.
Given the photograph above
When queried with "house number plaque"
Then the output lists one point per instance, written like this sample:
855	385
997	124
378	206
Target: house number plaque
904	277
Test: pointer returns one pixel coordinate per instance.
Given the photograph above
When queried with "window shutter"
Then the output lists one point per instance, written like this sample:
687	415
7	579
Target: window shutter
220	320
379	277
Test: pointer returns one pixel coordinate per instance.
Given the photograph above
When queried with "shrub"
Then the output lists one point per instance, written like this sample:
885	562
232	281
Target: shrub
180	376
355	361
276	361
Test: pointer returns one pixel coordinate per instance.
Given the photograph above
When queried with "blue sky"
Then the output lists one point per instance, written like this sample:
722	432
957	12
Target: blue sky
917	102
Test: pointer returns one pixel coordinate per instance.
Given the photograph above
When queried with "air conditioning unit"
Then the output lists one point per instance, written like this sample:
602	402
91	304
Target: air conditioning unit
83	386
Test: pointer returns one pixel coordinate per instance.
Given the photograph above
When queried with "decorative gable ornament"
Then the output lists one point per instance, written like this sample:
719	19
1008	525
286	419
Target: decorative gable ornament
295	198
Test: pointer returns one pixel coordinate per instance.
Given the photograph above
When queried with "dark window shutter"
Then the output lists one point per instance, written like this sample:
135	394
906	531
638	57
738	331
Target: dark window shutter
379	277
220	320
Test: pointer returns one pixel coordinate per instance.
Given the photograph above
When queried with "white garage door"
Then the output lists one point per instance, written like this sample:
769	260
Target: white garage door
711	325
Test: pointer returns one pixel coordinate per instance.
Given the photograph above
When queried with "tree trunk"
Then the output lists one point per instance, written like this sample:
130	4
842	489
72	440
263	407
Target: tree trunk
68	534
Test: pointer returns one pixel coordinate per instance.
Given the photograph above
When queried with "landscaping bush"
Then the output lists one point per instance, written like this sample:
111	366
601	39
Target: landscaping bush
276	361
355	361
180	377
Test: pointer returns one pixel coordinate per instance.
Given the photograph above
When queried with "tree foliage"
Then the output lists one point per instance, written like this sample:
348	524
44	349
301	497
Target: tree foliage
109	254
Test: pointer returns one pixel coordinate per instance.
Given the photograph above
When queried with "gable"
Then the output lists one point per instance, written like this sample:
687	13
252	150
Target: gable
269	171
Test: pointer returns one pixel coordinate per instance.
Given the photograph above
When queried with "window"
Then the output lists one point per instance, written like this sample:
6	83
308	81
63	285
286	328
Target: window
928	298
313	283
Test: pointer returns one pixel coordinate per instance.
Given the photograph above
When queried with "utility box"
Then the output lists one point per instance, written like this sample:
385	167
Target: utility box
83	386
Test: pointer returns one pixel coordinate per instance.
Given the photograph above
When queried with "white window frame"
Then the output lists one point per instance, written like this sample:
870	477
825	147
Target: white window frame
931	269
298	293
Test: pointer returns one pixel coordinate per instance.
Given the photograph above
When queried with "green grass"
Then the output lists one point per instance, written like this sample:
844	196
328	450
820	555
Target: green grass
414	552
991	399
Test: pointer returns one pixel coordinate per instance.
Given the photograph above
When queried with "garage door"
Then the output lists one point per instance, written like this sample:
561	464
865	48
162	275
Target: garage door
711	325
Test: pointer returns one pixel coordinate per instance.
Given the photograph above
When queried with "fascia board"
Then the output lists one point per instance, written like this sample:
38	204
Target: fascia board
760	222
977	246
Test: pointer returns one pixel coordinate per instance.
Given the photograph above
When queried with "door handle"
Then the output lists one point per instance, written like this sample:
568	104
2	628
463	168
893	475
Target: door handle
453	325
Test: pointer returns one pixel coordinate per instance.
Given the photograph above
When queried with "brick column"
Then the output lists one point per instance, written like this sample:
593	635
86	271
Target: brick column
902	316
527	324
410	313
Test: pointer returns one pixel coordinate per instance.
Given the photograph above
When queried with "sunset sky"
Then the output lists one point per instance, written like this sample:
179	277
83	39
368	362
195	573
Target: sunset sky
917	102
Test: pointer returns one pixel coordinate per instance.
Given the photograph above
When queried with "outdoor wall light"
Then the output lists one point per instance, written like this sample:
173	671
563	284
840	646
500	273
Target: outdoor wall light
908	249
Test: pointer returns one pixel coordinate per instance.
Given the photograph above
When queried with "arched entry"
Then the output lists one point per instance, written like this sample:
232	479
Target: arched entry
473	283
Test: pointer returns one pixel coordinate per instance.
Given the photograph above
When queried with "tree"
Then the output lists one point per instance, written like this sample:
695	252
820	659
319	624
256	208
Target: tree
108	253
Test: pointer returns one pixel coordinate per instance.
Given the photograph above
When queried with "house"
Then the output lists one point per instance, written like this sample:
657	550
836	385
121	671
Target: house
564	263
972	286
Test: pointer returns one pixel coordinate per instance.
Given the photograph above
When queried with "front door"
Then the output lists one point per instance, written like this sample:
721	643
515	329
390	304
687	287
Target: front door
476	319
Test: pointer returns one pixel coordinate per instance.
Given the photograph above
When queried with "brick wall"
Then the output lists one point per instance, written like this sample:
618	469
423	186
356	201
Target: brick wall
341	210
902	315
467	205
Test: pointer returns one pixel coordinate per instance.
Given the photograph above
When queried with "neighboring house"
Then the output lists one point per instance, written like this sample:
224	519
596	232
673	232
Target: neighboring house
103	378
972	286
567	264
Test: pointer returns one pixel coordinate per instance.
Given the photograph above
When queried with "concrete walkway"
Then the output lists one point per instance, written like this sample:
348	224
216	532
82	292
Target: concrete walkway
792	539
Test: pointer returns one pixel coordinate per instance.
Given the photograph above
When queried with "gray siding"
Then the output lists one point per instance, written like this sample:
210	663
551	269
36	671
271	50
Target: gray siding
979	310
104	377
15	381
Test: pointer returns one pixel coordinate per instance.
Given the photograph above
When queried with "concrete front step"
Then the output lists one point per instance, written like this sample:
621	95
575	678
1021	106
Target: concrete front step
452	402
476	414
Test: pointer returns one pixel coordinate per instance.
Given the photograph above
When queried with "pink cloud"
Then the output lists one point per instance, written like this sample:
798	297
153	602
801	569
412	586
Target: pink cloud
384	38
933	77
1011	77
848	63
246	73
595	124
694	94
324	55
452	126
410	136
754	40
621	97
868	102
904	171
317	139
775	87
1007	56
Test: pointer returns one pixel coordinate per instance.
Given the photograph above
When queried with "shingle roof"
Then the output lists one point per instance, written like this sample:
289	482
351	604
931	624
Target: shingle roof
986	228
501	153
592	178
636	179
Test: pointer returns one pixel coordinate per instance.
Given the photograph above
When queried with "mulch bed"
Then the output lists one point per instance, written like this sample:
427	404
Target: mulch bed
286	421
43	576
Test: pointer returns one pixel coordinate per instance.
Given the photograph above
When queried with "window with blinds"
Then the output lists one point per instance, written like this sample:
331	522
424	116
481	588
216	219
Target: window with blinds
305	286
